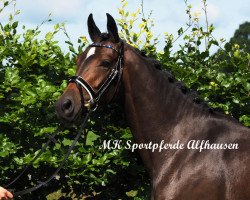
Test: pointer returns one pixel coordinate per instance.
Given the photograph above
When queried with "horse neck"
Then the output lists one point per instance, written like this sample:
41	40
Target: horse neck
153	105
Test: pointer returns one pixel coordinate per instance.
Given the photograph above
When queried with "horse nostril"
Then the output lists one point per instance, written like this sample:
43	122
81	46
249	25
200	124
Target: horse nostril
67	105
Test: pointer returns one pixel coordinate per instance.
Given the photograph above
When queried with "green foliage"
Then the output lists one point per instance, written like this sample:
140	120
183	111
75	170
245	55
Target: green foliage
222	83
33	74
241	37
142	38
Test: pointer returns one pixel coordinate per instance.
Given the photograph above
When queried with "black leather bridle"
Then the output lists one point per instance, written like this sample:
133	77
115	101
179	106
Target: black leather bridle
95	96
90	105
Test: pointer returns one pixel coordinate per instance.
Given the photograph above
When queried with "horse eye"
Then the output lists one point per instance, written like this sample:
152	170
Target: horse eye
105	63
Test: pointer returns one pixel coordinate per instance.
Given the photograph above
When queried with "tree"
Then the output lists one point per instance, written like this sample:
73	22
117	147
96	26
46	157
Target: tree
241	37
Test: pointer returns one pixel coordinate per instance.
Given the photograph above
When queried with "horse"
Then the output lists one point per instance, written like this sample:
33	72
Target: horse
158	111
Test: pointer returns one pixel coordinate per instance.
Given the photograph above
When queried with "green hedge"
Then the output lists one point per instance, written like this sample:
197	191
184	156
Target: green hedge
34	72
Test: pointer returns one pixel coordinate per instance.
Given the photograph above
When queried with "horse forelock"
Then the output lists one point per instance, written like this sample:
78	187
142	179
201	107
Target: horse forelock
105	36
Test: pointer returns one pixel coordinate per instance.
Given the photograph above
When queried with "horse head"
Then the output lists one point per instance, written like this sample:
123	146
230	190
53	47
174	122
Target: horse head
98	73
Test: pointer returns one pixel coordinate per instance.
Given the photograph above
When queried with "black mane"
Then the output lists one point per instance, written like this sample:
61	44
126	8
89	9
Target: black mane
192	94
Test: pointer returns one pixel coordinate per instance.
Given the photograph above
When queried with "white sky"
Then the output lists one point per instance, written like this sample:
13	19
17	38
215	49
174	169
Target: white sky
169	15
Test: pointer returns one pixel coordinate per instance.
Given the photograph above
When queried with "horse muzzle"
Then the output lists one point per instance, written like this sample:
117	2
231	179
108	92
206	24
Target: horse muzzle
68	107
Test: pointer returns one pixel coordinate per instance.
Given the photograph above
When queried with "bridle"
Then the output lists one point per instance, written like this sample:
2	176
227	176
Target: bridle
91	105
95	96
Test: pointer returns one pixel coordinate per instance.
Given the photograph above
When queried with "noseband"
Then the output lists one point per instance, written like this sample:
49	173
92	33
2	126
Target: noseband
95	96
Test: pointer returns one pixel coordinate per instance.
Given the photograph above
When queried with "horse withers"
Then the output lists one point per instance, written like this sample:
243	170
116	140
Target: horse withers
214	161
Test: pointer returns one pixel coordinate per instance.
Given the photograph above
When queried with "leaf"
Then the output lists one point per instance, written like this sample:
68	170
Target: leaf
87	158
180	31
246	86
91	137
66	142
49	36
111	171
71	48
6	3
57	146
57	26
132	193
14	25
135	37
245	119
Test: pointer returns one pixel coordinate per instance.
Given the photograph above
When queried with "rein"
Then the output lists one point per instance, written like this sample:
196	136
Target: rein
91	105
51	138
44	183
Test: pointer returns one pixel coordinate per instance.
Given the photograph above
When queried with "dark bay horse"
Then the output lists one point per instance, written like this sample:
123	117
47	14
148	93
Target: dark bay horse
157	111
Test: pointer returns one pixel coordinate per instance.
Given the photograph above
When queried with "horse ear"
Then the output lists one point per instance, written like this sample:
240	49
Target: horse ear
94	31
112	28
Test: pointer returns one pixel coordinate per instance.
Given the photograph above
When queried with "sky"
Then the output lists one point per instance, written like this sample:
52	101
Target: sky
168	15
